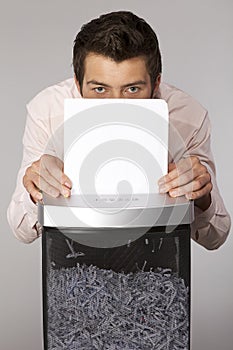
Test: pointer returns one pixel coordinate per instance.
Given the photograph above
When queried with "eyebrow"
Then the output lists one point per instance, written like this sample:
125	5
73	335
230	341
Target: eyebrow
95	82
138	82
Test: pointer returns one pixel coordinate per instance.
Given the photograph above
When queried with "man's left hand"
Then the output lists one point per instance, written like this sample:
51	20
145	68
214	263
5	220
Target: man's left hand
188	177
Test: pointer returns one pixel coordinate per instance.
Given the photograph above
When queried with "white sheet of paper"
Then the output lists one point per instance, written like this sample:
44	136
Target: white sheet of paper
114	146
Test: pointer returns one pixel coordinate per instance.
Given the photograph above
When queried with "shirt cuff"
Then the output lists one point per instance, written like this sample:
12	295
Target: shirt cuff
202	218
31	209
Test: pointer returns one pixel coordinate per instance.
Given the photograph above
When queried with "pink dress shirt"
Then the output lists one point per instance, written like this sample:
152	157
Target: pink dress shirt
187	118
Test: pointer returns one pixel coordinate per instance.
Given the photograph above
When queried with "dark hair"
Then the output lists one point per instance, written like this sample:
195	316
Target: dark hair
119	35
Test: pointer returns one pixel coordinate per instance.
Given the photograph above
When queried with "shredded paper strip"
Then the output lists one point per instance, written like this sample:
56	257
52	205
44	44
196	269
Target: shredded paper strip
91	308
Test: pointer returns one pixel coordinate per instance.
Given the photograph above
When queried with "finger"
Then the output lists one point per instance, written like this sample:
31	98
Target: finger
54	167
62	178
54	183
185	171
43	185
66	181
200	193
164	178
34	168
34	192
177	182
180	168
185	178
192	186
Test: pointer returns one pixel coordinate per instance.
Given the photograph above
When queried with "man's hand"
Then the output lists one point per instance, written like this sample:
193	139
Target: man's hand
190	178
46	175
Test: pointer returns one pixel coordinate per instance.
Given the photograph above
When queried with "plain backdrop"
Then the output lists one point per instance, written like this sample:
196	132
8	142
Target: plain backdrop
196	39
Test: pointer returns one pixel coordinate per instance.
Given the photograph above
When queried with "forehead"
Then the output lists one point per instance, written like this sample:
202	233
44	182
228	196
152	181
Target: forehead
101	68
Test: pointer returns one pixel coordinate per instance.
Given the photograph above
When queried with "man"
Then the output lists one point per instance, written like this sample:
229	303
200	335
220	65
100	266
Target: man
118	56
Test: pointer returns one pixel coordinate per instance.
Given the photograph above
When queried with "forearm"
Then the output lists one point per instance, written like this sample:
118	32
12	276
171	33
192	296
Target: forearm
211	227
22	217
22	212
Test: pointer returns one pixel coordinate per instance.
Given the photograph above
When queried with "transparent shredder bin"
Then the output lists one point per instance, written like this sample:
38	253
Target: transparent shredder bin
116	279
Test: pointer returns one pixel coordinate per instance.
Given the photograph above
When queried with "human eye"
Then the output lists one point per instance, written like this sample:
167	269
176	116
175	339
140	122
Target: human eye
99	89
133	89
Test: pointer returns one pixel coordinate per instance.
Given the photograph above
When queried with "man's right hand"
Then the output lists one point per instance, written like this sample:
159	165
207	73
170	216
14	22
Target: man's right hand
46	175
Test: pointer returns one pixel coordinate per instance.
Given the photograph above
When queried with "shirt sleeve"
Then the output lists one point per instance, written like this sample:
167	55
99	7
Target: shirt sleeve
210	227
22	211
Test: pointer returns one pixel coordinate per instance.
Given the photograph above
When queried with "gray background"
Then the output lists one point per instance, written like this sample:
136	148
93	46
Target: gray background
36	44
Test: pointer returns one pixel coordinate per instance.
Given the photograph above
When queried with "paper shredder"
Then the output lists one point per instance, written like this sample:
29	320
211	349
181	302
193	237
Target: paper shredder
116	272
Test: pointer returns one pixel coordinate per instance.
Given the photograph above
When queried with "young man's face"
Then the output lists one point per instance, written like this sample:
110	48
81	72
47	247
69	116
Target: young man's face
105	78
